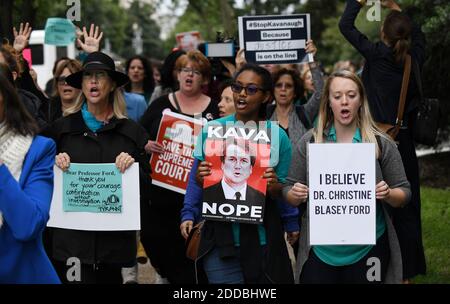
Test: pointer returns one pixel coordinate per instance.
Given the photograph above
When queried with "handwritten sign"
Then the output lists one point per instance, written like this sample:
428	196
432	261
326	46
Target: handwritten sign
342	194
76	207
92	189
274	39
59	32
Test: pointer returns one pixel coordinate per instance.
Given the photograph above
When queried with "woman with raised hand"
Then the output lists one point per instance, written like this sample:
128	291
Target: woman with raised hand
96	130
26	188
344	117
382	77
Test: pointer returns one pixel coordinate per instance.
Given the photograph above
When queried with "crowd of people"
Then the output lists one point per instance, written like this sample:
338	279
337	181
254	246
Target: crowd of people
91	112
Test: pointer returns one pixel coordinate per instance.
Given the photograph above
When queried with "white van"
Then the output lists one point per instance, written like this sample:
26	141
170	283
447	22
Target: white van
44	56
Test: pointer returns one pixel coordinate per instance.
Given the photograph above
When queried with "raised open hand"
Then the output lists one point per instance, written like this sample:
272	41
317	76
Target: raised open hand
22	36
92	40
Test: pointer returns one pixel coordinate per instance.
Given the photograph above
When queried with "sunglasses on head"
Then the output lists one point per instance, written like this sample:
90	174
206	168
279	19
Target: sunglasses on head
61	80
251	89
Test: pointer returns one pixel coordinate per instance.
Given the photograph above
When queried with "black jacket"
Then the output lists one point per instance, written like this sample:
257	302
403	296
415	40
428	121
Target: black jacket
84	146
382	76
33	105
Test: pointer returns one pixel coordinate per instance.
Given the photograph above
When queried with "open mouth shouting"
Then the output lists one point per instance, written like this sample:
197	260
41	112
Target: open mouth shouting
241	104
94	92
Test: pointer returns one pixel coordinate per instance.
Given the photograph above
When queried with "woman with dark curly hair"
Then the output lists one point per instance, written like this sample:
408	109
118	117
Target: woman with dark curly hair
140	71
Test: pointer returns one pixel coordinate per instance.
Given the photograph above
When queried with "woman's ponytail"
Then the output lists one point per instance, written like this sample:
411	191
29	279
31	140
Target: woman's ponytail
397	29
401	49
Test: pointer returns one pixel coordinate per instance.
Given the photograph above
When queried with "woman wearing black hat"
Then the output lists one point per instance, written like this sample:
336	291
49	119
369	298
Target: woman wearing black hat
95	130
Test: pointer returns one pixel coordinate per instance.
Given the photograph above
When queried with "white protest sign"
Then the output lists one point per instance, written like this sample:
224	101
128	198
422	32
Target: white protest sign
342	194
276	39
127	219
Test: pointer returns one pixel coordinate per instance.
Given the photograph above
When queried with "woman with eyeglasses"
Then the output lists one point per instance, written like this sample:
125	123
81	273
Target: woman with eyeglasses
244	253
64	95
160	234
95	129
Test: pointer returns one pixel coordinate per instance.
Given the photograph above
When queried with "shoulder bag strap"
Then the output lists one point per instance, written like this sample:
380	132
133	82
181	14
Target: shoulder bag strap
418	77
177	104
404	91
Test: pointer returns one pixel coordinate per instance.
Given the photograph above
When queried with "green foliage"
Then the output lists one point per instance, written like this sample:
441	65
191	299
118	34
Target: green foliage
115	21
139	13
436	231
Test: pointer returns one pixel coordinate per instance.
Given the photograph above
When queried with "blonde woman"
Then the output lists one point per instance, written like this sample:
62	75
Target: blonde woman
95	130
344	117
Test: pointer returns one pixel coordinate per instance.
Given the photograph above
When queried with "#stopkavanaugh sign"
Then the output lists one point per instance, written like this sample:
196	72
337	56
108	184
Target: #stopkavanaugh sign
342	194
274	39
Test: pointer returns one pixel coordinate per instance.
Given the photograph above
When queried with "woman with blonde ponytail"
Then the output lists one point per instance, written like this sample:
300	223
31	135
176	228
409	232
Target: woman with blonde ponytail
382	77
344	117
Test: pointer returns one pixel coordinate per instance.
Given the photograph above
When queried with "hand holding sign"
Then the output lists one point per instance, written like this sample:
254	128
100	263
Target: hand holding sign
382	190
311	50
62	160
124	161
153	147
21	38
204	169
298	193
92	40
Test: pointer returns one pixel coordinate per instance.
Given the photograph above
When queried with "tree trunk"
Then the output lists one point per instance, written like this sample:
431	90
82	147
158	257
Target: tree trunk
6	22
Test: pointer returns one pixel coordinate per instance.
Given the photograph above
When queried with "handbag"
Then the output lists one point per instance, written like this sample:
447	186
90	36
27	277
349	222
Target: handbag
427	123
193	241
392	130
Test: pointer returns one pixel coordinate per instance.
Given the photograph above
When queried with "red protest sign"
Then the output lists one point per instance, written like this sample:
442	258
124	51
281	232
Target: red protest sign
178	135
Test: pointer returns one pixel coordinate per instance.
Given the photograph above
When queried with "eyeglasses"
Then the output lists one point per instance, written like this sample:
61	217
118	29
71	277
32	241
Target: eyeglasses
98	75
287	86
61	80
189	71
251	89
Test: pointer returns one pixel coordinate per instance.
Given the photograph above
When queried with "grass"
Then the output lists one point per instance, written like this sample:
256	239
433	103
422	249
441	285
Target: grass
436	235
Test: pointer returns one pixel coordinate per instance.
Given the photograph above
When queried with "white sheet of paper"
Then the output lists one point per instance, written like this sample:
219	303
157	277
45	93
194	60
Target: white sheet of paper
129	219
356	223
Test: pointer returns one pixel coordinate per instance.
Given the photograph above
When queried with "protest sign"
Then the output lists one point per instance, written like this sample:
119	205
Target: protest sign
95	197
235	191
342	194
59	32
90	189
188	41
178	135
26	53
274	39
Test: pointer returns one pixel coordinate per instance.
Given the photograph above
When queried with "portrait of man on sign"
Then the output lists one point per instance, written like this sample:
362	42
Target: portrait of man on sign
233	198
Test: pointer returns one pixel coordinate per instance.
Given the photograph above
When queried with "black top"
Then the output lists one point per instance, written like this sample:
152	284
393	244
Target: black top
84	146
162	198
382	76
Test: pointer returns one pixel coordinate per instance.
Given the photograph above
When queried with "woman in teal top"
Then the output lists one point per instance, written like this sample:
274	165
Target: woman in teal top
248	253
344	117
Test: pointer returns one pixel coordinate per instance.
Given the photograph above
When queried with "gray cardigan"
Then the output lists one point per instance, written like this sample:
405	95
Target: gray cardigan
391	171
296	127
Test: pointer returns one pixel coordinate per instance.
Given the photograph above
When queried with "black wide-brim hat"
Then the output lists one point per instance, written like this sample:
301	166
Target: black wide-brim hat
98	61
